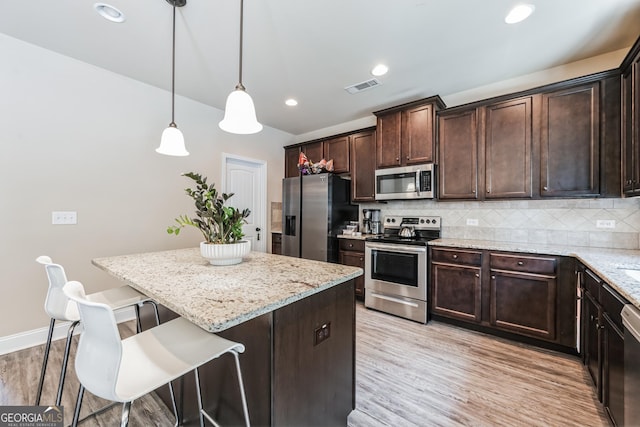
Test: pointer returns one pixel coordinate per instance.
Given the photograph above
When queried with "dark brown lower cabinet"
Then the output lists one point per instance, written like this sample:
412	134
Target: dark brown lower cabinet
276	243
602	345
513	294
456	291
352	253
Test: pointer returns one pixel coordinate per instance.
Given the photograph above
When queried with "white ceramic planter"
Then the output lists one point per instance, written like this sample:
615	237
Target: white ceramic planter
228	254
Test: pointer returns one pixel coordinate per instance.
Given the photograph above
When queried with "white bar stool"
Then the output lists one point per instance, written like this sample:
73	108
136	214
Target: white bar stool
124	370
59	307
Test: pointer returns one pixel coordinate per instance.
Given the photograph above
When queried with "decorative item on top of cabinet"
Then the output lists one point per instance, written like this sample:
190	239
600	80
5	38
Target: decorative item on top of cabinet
352	253
405	134
363	166
630	125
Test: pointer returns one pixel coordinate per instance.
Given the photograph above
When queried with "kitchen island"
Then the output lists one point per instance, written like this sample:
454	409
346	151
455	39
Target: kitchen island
295	317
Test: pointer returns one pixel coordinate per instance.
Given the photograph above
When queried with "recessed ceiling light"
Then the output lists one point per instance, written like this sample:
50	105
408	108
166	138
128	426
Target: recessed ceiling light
291	102
379	70
519	13
109	12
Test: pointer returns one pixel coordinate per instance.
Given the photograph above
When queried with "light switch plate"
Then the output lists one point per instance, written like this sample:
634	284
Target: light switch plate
472	221
606	223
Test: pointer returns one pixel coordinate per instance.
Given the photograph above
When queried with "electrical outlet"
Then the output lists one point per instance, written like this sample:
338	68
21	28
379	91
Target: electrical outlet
322	333
606	223
64	218
472	221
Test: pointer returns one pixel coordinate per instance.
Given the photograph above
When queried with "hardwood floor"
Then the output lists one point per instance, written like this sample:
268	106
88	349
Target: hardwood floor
407	374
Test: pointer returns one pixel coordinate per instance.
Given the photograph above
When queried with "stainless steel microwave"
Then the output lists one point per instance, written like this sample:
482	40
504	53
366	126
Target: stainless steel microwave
409	182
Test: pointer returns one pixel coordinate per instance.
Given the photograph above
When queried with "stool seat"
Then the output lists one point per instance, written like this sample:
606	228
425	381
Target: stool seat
124	370
60	308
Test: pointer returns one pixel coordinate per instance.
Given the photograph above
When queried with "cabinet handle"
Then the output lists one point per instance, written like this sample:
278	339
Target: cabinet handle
361	259
520	263
477	275
493	277
545	188
397	159
350	245
455	256
407	157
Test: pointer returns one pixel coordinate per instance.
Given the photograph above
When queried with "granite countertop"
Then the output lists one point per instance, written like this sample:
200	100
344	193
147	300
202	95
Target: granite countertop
609	264
219	297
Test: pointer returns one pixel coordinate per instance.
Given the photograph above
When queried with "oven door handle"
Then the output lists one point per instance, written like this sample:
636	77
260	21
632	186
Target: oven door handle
398	247
392	299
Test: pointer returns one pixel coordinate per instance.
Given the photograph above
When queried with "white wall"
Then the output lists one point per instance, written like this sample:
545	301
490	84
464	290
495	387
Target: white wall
76	137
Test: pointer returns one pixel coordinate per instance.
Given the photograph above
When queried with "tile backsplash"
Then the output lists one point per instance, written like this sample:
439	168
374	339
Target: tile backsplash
566	221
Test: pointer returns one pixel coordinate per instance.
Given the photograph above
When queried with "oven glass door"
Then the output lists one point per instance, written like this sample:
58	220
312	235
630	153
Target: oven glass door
395	184
395	267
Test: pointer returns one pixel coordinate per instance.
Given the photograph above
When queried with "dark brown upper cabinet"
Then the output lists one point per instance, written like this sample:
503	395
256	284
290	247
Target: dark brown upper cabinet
363	166
458	155
508	146
338	150
570	142
405	134
291	155
314	151
630	125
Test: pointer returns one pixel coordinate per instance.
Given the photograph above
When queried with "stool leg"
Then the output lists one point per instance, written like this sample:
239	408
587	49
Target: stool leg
199	395
138	323
45	360
241	385
126	407
76	411
65	360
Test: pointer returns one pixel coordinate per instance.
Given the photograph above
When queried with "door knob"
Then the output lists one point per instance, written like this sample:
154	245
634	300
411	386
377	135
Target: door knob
258	230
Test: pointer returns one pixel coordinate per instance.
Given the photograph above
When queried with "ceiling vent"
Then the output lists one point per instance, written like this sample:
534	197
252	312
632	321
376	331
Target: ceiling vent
359	87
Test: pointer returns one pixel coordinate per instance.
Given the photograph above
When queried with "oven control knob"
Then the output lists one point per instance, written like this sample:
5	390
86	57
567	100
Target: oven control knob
422	221
393	220
434	221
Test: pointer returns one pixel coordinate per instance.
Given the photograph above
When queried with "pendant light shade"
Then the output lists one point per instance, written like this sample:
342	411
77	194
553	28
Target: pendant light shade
172	141
239	112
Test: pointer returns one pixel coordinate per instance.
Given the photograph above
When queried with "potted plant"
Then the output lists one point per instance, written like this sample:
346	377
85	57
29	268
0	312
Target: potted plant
220	225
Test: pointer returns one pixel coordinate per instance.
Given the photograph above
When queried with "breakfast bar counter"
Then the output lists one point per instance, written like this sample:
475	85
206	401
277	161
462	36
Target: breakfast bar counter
296	318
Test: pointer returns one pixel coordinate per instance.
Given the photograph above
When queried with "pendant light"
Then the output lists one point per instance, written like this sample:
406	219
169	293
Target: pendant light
239	112
172	141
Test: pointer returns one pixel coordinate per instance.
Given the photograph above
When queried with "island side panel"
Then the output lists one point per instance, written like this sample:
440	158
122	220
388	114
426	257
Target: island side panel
314	383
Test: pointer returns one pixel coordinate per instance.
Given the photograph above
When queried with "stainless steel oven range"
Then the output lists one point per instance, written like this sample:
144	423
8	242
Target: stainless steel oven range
396	266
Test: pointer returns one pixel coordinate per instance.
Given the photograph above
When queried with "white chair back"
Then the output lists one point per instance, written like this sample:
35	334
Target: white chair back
100	348
57	304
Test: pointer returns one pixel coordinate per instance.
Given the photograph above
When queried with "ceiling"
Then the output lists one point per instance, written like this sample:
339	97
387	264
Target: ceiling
311	50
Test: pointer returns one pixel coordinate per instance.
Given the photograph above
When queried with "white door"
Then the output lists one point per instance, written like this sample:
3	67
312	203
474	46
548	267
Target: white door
247	180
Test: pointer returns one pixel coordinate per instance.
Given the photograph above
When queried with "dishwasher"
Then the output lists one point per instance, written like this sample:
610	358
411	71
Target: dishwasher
631	322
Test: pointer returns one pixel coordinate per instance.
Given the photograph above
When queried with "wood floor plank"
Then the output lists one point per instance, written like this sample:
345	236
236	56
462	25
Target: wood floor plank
407	375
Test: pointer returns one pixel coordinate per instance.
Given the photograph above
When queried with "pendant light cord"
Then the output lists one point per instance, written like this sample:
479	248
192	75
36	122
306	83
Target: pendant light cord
240	86
173	67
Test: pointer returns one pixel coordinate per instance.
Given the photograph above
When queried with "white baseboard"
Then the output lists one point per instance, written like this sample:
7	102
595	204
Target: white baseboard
27	339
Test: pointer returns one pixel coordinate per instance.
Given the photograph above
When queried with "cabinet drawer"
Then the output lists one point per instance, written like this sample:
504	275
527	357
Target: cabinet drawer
526	264
592	284
351	245
276	237
457	256
612	304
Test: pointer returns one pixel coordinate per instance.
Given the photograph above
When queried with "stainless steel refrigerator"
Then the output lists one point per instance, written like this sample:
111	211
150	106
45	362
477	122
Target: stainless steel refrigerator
315	209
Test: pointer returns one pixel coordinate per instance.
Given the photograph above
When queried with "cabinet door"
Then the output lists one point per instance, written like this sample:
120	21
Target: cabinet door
508	149
592	358
354	259
388	132
417	135
613	371
636	123
456	291
314	151
363	166
629	160
570	136
338	150
458	154
523	303
291	162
